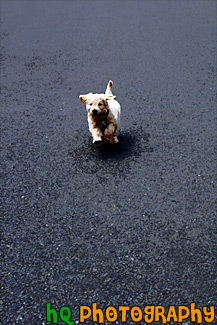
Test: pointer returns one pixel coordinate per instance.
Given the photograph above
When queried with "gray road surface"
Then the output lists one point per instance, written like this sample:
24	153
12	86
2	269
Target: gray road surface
129	225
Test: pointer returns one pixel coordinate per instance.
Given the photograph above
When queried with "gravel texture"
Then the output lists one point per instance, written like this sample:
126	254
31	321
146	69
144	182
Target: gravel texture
132	224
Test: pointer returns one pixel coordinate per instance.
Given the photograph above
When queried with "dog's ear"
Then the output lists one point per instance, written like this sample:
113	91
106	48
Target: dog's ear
83	98
108	97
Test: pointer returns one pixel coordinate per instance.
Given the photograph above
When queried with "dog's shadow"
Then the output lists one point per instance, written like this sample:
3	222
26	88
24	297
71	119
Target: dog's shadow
130	147
130	144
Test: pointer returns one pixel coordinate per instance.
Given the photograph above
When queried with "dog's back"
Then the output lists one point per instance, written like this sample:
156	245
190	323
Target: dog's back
115	109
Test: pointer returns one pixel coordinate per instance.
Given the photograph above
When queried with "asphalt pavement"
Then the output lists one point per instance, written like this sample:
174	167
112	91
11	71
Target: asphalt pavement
133	224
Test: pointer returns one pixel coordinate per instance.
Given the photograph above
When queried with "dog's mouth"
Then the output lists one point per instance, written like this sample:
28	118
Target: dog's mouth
100	116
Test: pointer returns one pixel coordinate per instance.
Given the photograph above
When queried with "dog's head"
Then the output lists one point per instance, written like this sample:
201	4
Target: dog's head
96	104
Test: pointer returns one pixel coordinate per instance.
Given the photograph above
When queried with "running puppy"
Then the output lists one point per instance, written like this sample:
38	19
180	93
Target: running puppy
103	113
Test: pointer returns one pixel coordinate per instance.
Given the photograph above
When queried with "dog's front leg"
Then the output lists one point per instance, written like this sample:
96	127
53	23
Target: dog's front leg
110	133
96	132
97	135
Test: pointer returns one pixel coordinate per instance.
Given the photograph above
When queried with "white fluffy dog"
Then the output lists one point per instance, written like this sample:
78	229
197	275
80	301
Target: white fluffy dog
103	113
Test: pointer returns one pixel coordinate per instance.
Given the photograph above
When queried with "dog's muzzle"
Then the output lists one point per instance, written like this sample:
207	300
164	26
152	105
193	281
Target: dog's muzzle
101	120
99	116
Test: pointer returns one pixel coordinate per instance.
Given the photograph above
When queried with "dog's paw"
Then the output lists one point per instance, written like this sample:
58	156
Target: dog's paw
97	140
111	140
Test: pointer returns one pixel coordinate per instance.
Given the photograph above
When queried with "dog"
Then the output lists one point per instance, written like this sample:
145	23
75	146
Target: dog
103	114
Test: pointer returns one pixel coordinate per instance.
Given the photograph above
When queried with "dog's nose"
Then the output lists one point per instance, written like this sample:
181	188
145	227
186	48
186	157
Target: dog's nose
94	111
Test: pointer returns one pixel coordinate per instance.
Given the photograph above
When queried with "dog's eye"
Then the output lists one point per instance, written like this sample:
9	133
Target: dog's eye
99	104
90	104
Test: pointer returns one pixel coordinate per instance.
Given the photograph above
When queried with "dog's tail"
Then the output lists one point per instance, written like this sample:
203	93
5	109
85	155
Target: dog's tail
109	88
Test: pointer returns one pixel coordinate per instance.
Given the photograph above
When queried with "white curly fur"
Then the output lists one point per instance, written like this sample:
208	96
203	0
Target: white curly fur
103	113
